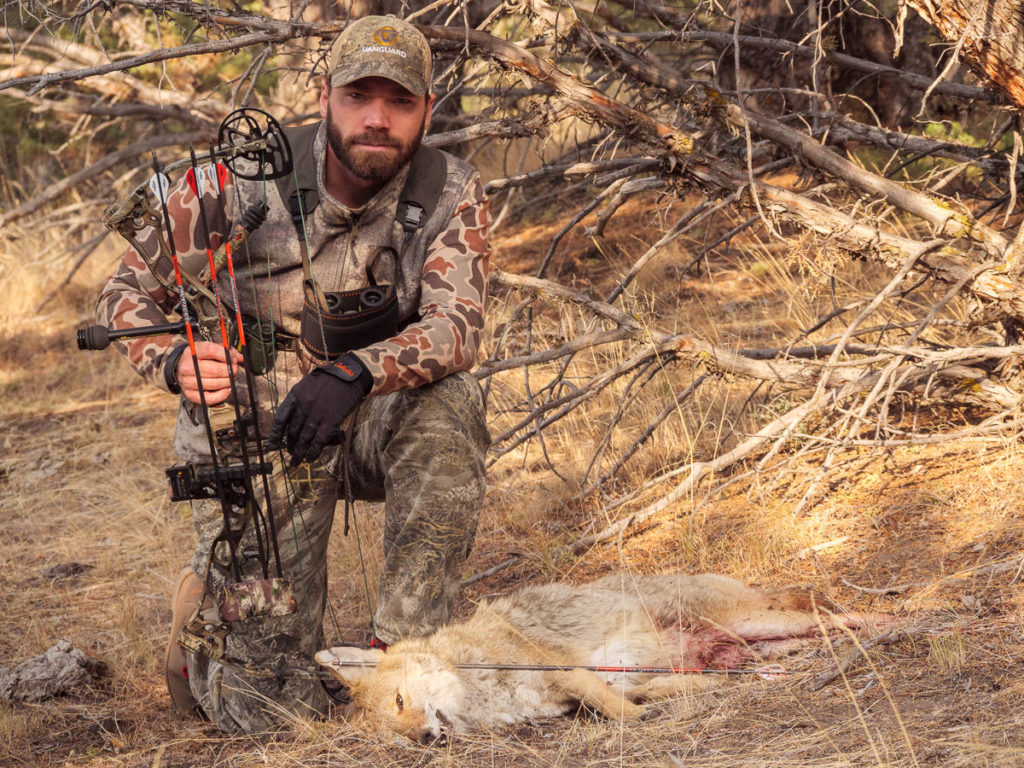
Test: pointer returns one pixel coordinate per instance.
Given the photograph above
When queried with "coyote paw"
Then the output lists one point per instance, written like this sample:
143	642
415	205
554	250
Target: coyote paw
631	711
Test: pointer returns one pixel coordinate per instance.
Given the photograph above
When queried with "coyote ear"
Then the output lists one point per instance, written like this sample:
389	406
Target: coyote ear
350	664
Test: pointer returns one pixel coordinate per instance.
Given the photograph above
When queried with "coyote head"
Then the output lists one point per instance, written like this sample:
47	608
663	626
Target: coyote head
411	692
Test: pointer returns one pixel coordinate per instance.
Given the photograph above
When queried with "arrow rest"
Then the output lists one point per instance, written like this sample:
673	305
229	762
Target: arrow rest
253	135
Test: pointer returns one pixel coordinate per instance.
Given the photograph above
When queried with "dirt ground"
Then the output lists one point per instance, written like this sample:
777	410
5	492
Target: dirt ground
933	535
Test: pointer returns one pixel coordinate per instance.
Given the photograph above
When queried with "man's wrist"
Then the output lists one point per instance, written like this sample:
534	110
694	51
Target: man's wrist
171	360
350	368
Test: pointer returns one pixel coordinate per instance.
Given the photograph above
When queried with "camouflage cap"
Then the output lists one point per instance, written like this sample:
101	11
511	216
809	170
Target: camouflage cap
381	46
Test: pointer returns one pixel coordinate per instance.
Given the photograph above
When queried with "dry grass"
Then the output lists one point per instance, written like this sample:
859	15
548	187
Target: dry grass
84	445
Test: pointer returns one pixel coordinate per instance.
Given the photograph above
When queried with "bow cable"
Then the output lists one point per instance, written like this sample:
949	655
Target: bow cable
296	517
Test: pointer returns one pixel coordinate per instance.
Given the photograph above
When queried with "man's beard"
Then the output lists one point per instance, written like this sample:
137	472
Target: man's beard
377	167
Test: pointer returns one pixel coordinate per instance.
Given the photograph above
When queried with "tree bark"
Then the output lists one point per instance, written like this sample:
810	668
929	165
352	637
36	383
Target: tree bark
990	36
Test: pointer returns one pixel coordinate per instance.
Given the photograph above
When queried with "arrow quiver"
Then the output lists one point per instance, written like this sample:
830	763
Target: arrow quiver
252	145
130	217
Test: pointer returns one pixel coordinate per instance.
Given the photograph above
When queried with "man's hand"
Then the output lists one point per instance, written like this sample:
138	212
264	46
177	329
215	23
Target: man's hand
213	368
310	415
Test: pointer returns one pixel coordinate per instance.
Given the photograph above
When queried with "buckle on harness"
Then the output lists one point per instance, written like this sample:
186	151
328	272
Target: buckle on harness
300	204
410	213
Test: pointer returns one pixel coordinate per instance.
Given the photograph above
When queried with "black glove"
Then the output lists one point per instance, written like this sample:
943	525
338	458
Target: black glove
312	412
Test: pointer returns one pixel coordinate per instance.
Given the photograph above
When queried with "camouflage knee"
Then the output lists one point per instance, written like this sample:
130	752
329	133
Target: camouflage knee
434	485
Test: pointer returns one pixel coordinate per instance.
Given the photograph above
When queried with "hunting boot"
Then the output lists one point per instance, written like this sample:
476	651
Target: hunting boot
186	601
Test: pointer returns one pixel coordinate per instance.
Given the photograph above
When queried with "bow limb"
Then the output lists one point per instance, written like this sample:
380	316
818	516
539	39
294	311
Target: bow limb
135	214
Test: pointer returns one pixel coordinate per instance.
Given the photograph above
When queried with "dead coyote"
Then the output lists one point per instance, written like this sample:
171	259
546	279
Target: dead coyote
417	687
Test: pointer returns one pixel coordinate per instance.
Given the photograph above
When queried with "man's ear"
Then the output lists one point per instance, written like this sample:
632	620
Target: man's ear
429	112
350	664
325	94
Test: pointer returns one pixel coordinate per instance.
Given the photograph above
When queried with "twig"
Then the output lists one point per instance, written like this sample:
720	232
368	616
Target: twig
726	40
891	635
55	190
893	590
37	83
87	248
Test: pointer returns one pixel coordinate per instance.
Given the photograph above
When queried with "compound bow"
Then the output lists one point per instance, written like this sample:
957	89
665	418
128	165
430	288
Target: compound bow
257	140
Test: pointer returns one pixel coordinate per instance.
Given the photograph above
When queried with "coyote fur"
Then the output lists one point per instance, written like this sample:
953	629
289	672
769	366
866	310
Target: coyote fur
417	689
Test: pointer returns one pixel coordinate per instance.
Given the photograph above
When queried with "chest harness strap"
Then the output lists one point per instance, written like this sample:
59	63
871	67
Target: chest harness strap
335	322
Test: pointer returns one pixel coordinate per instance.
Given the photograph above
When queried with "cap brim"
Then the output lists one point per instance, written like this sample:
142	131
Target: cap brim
346	75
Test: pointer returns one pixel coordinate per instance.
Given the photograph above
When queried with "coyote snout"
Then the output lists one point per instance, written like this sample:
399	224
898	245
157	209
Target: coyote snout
409	692
418	689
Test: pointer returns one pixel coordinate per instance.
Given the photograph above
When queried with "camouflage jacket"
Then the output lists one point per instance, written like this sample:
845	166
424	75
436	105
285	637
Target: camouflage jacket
441	275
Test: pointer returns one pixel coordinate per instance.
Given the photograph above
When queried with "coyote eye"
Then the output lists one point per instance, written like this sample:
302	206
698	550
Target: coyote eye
399	701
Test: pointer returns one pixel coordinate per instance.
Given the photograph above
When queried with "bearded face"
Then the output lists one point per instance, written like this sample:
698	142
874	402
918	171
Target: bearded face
362	154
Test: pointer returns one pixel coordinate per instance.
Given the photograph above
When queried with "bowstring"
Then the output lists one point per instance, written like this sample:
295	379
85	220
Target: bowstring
291	496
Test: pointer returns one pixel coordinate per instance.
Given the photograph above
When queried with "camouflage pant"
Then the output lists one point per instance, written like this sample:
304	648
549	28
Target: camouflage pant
421	452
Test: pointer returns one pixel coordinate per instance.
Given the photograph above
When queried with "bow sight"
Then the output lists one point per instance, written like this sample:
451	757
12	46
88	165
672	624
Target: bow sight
252	145
253	135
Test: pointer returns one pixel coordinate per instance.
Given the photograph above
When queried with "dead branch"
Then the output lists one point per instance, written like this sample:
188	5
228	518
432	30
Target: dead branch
124	154
96	108
116	85
891	635
37	83
634	164
669	408
893	590
489	129
992	285
843	130
944	220
726	40
633	123
833	373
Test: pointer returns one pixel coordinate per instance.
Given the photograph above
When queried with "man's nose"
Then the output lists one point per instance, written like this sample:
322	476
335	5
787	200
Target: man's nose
377	115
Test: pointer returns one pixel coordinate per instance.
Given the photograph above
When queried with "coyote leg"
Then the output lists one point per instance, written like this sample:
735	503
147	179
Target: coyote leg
667	686
777	625
587	688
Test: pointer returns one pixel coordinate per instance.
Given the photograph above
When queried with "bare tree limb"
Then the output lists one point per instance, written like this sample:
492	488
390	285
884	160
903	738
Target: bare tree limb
941	217
103	164
725	40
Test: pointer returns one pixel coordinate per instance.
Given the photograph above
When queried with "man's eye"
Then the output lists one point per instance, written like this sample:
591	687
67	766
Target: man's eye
399	702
